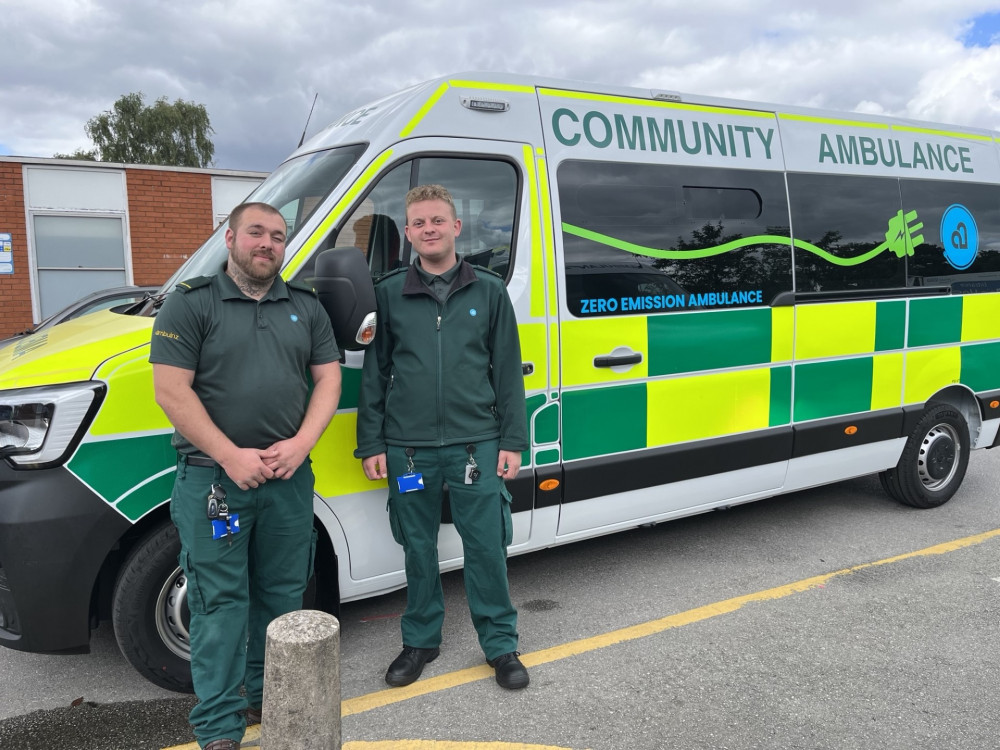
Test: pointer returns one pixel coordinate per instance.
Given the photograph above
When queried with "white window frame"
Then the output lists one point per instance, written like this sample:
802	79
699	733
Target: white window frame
81	210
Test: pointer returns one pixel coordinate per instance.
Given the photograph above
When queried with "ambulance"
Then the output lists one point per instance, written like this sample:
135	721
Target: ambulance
718	301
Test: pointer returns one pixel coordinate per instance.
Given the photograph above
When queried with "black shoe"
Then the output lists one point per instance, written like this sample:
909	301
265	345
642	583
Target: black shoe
253	716
511	673
406	667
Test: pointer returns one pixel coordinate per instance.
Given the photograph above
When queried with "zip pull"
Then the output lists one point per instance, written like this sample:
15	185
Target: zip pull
439	323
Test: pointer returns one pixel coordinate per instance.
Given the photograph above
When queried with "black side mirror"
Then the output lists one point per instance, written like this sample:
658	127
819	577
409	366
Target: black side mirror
344	286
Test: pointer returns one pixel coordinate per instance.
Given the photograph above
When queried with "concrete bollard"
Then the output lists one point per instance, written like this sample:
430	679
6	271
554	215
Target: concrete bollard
301	708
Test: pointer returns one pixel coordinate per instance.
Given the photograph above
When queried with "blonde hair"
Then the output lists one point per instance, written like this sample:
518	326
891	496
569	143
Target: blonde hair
430	193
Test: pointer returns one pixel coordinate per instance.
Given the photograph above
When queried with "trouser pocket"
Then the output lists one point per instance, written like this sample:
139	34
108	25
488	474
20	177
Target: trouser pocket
195	597
394	525
506	521
311	560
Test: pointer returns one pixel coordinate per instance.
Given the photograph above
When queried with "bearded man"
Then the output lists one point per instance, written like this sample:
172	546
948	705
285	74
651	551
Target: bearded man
233	356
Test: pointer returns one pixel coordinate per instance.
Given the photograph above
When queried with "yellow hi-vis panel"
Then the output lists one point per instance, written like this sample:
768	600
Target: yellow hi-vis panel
538	249
887	381
930	370
705	406
980	313
834	330
782	333
336	469
534	349
131	405
582	340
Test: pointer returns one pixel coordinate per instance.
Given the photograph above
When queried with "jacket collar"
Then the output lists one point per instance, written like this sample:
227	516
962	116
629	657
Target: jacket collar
413	284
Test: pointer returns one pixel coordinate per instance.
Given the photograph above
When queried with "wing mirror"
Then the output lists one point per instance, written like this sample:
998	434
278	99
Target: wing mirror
344	287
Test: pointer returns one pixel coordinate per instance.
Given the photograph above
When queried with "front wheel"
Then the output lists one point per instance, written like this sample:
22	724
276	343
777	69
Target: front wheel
150	612
934	460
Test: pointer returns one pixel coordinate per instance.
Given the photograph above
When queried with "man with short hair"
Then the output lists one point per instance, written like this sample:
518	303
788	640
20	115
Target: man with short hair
233	355
442	400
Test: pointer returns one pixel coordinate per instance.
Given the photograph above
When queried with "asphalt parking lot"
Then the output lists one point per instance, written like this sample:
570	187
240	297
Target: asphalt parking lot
832	618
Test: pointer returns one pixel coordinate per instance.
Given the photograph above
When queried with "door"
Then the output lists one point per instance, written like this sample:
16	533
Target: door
676	366
496	197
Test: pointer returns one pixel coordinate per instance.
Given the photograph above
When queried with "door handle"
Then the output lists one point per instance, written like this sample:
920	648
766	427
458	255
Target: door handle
617	360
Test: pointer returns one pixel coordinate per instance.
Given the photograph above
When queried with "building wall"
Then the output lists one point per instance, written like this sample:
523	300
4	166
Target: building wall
15	289
170	213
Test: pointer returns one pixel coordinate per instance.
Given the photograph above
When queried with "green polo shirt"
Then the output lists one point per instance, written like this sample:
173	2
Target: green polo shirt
440	284
250	358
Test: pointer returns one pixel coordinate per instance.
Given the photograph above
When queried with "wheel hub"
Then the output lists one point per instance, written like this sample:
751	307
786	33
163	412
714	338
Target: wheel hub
938	460
172	616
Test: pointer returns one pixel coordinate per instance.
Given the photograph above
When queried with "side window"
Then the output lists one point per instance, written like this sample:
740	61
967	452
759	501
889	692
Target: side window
850	232
376	226
652	238
961	235
485	193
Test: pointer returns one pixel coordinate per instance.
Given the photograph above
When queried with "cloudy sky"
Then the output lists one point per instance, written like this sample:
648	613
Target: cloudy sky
256	65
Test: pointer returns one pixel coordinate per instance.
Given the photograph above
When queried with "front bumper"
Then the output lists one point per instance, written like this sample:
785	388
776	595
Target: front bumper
54	536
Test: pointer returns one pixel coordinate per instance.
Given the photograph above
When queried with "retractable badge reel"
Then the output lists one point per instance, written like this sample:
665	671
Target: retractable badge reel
472	472
411	481
224	523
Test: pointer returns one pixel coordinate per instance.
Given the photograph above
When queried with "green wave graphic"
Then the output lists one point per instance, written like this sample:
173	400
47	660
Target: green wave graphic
707	252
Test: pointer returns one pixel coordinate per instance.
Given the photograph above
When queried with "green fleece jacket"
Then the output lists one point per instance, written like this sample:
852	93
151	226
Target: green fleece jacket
442	373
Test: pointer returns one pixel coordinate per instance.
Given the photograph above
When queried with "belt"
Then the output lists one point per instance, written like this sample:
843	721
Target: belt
206	463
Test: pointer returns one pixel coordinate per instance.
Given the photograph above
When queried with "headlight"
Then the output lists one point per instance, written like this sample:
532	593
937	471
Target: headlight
38	426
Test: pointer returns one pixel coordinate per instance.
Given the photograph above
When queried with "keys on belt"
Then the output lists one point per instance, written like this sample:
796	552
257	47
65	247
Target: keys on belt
224	523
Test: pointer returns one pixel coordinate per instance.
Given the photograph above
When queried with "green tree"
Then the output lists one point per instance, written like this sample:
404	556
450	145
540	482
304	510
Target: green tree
167	134
80	155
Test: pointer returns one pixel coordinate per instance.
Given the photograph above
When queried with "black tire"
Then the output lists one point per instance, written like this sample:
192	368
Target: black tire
890	485
934	460
150	614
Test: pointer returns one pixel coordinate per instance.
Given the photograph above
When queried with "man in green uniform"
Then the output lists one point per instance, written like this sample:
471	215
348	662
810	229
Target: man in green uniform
232	356
442	400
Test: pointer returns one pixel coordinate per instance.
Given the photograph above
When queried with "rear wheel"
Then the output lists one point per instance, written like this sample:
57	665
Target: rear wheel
934	460
150	612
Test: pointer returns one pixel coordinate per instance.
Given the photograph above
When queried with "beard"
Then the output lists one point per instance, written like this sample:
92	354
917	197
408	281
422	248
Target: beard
254	271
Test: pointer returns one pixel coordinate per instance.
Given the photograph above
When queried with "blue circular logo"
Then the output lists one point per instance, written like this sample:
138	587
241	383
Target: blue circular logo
294	317
472	312
960	236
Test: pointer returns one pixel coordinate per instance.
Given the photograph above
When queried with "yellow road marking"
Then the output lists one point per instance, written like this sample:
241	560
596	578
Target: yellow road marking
253	735
573	648
442	745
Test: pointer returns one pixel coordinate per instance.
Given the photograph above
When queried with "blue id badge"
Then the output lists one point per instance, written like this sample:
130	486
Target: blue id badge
226	527
410	482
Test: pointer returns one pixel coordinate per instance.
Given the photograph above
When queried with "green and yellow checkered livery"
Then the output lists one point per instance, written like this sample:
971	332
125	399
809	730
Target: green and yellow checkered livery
718	373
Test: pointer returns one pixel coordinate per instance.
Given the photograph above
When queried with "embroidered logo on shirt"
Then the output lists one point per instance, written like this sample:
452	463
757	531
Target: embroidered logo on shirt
472	312
294	317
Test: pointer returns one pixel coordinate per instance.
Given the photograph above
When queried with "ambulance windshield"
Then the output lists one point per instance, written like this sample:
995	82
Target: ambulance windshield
296	188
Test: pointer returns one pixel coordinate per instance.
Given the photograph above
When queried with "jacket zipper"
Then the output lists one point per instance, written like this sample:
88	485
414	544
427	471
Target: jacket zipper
440	377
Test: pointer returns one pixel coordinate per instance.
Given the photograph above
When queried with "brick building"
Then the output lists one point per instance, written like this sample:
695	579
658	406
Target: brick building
68	228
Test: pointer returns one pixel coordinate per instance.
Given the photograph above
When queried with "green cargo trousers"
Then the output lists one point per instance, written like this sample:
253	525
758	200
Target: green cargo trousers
481	512
236	586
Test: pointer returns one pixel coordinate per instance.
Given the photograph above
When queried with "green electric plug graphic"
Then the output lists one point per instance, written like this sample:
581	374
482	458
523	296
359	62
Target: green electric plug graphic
900	236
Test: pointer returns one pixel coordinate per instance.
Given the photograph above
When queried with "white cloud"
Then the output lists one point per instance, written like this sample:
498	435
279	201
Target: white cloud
256	64
967	90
